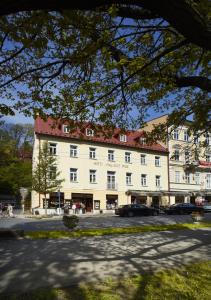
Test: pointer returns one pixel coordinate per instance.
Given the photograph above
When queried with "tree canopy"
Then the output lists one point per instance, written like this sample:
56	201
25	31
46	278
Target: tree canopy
106	61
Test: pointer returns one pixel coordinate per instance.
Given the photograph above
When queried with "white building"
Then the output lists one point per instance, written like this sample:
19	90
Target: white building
189	163
103	172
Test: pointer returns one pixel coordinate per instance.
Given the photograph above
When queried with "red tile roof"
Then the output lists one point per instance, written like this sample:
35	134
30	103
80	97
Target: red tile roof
204	163
54	128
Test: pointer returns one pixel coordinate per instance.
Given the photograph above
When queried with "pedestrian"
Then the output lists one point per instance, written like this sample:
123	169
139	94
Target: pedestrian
74	208
83	208
10	210
78	206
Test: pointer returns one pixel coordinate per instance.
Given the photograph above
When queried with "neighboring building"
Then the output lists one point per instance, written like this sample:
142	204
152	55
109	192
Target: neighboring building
189	163
103	172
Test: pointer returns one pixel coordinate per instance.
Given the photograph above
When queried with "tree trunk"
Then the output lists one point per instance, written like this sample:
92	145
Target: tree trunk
45	205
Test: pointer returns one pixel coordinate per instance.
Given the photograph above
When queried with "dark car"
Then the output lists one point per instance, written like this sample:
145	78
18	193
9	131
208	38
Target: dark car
206	207
132	210
182	209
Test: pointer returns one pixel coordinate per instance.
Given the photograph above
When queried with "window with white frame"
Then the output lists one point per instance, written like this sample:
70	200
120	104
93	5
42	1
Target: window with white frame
73	175
186	136
123	138
92	153
208	157
143	140
92	176
128	178
73	151
208	139
157	161
176	134
127	157
111	180
143	159
177	176
208	181
89	132
157	180
143	179
196	139
197	178
66	128
53	148
187	177
176	155
111	155
187	156
52	173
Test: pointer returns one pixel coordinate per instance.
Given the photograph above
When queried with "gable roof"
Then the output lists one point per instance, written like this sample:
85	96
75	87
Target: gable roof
53	127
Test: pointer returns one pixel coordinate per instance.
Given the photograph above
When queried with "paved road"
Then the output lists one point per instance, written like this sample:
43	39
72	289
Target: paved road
30	264
92	221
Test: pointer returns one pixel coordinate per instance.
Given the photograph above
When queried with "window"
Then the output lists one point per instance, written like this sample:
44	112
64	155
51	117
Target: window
177	176
187	177
73	151
143	140
123	138
52	148
111	155
186	136
111	180
157	181
128	178
73	175
89	132
197	178
143	179
187	156
176	155
176	134
196	139
92	153
208	139
157	161
66	128
127	157
208	157
208	181
143	159
92	176
52	173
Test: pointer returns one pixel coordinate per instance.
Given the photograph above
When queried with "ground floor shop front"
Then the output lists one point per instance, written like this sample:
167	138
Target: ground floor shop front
96	201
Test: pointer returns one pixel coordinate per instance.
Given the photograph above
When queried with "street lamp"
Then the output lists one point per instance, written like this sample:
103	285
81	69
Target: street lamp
23	192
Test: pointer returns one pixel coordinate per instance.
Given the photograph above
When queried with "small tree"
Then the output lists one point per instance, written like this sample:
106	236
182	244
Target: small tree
45	174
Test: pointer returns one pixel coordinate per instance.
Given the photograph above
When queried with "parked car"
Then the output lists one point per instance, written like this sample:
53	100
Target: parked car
182	209
206	207
132	210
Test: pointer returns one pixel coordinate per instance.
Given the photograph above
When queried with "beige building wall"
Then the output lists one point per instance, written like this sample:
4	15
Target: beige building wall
101	164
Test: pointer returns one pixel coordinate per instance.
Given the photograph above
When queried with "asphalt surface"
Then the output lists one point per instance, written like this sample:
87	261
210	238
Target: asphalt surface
29	264
94	221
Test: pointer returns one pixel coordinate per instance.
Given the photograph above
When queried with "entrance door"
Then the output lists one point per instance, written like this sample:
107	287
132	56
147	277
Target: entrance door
86	199
155	201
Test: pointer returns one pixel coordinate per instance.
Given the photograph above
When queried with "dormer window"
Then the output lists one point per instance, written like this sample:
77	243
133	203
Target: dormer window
123	138
89	132
143	140
66	128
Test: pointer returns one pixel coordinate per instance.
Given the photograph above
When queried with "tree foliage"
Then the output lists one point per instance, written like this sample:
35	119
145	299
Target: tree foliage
45	175
15	172
108	63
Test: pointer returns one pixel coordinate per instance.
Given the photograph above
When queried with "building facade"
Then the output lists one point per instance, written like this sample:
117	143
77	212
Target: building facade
189	163
102	172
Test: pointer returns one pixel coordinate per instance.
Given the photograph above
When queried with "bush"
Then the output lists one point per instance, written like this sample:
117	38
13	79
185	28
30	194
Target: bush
70	221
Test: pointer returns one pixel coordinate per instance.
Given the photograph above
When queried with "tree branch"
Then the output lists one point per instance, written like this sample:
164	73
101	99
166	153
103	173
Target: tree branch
195	81
181	14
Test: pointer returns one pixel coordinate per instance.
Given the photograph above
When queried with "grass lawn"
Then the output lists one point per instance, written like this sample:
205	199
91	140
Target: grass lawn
108	231
192	282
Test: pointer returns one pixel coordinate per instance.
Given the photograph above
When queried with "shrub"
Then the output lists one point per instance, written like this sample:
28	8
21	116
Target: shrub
70	221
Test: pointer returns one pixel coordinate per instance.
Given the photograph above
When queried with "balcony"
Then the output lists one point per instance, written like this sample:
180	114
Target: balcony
111	186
